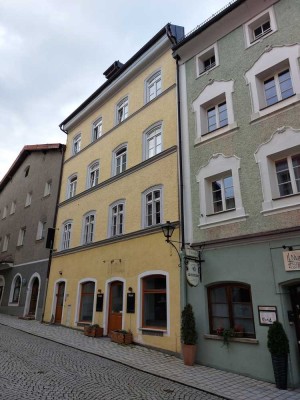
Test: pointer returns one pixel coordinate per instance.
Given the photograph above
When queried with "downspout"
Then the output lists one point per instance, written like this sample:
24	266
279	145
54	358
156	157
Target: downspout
183	277
63	149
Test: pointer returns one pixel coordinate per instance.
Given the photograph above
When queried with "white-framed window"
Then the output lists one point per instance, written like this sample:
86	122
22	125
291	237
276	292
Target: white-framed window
72	186
28	199
207	59
93	174
153	310
288	175
76	144
279	164
2	286
122	110
219	192
66	235
4	213
47	190
217	116
88	228
260	26
213	110
153	141
41	230
97	129
5	242
152	206
12	207
153	86
15	290
21	236
278	87
117	217
274	80
119	160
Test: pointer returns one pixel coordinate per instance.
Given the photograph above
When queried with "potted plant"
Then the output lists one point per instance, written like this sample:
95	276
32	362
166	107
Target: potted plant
188	335
226	334
93	330
278	345
121	336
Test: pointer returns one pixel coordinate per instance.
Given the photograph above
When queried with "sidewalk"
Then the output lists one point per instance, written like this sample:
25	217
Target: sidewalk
224	384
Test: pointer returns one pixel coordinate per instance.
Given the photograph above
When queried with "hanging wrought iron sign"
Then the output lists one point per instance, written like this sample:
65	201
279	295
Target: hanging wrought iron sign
192	272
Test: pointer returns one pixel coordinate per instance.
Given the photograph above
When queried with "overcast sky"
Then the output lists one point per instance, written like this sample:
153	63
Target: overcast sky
53	54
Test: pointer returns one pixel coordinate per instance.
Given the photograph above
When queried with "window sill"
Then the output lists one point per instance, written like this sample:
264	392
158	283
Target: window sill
280	105
222	218
218	132
260	39
206	72
234	340
281	204
13	304
153	330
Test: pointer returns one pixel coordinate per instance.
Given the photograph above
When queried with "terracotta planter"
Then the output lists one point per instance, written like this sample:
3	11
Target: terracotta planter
93	331
189	354
121	337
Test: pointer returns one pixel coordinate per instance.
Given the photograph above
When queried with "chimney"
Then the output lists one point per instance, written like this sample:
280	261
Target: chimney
113	69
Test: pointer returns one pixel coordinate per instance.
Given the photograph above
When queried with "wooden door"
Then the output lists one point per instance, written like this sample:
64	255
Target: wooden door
295	299
34	296
115	313
59	302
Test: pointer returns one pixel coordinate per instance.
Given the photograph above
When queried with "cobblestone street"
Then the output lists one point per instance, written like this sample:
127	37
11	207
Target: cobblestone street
35	368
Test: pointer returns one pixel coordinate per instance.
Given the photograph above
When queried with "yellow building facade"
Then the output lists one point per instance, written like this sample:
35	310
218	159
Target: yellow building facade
111	265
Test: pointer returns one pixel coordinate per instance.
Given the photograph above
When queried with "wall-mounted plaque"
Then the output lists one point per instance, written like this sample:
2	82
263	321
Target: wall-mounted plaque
267	315
291	260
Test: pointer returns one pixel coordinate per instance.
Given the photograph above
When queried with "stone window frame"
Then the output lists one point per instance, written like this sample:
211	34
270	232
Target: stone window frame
250	26
283	142
214	93
218	166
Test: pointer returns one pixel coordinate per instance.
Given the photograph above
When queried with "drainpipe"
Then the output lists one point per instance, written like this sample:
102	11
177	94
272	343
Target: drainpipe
183	277
63	148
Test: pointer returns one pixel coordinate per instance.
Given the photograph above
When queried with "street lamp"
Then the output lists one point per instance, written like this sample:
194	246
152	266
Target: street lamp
168	230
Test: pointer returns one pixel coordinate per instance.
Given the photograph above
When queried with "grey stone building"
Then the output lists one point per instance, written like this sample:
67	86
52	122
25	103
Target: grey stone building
28	198
240	92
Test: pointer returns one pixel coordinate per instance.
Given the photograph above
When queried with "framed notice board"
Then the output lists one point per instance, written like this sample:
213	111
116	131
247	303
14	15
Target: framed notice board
130	303
99	304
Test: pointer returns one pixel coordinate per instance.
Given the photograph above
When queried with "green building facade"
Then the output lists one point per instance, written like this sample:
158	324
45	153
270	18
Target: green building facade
240	124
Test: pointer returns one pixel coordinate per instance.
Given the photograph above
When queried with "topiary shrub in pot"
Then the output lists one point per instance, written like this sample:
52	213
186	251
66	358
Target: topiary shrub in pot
188	335
278	345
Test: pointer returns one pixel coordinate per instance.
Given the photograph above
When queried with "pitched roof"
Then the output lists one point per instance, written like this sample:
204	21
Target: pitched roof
25	152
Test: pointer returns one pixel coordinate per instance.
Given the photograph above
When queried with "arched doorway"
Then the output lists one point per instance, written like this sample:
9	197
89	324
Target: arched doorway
59	302
115	311
34	297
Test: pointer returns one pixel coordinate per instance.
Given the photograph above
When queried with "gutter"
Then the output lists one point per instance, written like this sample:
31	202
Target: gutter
63	151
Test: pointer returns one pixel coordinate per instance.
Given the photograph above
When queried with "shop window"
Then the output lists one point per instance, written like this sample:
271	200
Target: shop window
230	307
87	293
154	302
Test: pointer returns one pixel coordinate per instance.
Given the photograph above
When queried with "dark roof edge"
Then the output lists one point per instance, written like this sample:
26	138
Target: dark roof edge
22	156
210	21
164	31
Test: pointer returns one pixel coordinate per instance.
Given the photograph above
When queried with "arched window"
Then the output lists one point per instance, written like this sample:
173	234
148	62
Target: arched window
87	302
119	160
88	228
72	186
230	307
116	218
153	86
122	110
153	141
154	302
152	206
93	174
66	235
15	290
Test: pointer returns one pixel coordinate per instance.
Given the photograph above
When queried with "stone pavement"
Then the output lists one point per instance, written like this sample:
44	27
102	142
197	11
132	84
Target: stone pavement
225	384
